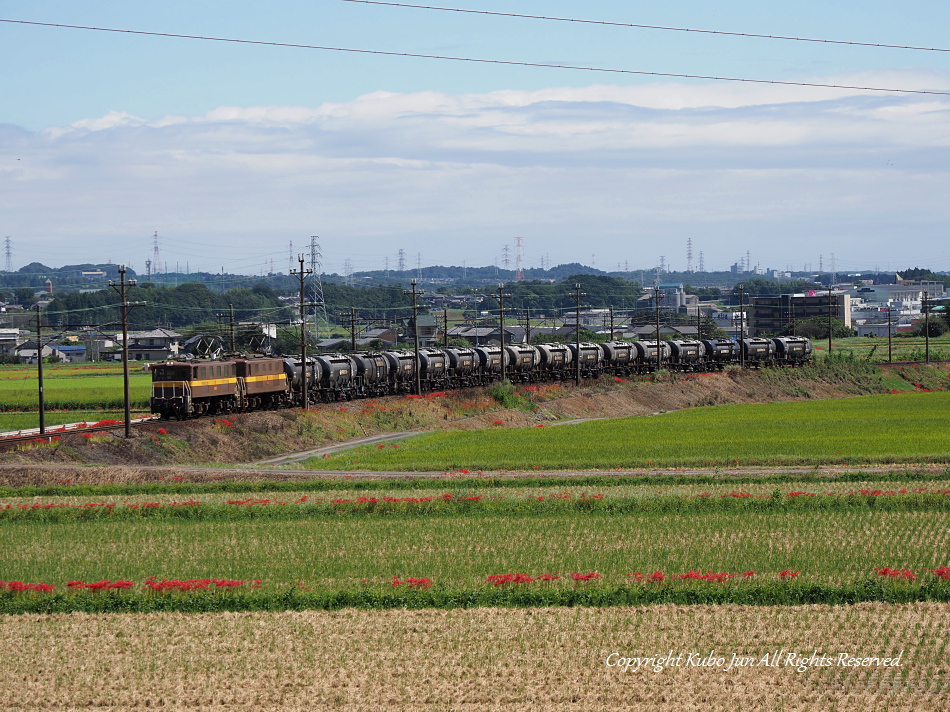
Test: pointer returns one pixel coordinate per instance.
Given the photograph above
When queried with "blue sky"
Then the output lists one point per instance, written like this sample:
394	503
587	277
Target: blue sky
232	151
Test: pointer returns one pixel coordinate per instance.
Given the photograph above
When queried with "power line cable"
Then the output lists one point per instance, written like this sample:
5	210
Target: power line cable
651	27
504	62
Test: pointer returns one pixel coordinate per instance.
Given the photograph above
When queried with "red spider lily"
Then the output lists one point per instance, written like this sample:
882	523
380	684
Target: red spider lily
500	580
655	577
195	584
788	574
905	574
497	422
412	582
101	585
585	577
20	587
943	572
708	576
162	431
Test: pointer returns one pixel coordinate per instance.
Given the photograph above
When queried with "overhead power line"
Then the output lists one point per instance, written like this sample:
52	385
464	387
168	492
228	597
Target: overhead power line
650	27
504	62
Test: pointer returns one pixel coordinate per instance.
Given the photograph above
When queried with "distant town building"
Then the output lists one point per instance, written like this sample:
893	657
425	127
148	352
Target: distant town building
771	314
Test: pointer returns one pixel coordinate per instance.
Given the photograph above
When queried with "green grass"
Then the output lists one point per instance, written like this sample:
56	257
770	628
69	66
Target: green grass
903	348
460	551
72	392
907	427
10	421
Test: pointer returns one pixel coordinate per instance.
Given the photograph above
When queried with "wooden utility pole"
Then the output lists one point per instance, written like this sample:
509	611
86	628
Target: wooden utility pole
741	325
501	327
578	295
415	294
122	288
39	368
926	309
302	275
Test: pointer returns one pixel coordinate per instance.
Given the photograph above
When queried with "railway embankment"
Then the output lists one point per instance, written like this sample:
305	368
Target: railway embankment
243	439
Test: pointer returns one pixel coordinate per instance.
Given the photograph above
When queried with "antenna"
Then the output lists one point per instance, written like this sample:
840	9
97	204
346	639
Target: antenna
321	322
519	254
8	248
156	256
748	261
290	258
689	254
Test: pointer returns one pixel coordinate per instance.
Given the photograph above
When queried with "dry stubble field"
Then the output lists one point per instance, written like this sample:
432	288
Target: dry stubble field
481	659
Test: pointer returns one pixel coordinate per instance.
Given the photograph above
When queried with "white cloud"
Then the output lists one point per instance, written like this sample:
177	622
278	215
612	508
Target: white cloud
787	172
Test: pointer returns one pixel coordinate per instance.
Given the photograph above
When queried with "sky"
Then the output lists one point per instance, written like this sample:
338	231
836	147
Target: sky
231	152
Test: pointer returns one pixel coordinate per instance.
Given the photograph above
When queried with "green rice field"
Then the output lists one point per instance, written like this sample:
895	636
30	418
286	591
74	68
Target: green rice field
72	388
904	427
460	551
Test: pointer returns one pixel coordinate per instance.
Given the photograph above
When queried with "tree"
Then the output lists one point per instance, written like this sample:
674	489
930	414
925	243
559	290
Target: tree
935	325
24	295
816	327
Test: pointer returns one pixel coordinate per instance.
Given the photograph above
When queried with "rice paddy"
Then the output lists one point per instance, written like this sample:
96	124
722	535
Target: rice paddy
905	427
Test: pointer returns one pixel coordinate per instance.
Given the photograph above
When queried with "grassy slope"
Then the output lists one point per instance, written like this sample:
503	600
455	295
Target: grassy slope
885	428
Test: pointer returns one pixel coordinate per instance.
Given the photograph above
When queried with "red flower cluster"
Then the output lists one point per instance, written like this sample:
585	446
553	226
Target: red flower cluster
712	576
412	582
585	577
788	574
224	423
101	585
943	572
656	576
20	587
195	584
505	579
905	574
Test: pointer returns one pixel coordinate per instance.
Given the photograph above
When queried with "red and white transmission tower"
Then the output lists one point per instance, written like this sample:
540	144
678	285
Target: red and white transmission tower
156	257
519	259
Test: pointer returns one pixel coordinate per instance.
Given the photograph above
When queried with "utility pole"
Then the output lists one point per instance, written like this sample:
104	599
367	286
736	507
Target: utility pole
501	326
352	329
890	358
122	288
741	325
39	368
578	295
926	309
445	330
302	275
611	322
415	294
527	325
659	351
830	287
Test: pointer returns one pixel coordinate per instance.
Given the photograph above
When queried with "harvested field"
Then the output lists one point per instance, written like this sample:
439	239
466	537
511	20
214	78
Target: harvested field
485	659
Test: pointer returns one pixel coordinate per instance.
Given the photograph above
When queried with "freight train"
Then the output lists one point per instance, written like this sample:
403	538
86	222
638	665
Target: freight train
185	389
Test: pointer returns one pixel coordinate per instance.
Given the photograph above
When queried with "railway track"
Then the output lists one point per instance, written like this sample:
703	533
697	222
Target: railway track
33	434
